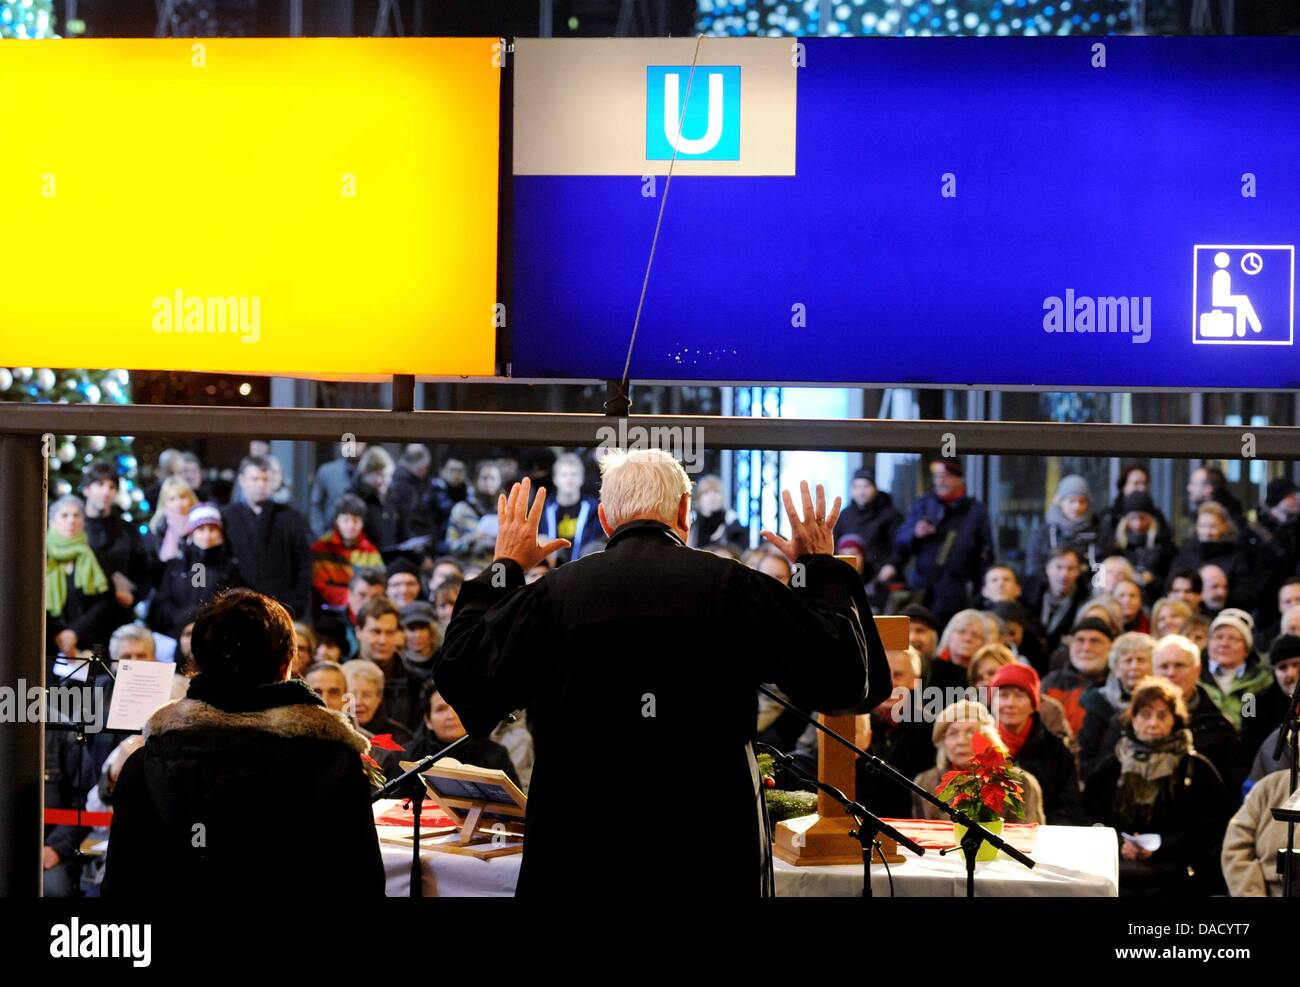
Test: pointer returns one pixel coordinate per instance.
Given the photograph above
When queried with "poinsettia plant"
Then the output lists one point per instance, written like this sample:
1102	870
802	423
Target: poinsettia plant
991	788
384	741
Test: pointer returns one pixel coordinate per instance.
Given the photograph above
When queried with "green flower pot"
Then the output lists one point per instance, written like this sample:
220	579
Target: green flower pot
987	850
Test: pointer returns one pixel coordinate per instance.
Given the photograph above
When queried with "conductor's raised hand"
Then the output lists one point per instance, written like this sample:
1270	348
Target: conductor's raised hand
812	534
517	527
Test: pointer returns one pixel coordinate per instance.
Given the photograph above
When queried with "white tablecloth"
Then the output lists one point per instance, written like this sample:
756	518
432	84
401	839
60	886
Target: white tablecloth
1069	861
446	875
451	875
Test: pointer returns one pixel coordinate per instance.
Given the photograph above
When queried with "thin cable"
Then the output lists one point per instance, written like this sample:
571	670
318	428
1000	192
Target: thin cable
645	283
888	873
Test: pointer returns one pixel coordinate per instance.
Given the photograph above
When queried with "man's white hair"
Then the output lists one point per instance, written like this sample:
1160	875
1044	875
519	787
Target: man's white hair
641	483
1184	644
130	632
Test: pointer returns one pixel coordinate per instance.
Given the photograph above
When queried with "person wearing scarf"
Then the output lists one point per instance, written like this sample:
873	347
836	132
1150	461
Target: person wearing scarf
170	522
1016	700
1166	803
1130	662
77	600
1070	523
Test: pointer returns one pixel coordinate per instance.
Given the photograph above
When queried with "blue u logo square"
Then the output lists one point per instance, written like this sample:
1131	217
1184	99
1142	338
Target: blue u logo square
709	127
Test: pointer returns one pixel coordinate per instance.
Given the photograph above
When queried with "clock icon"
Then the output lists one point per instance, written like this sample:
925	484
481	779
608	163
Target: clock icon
1252	263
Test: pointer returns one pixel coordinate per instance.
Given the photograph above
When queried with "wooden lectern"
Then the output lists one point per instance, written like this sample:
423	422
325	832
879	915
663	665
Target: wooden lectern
824	838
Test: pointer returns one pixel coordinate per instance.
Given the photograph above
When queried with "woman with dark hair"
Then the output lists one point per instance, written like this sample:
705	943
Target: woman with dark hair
1165	801
199	809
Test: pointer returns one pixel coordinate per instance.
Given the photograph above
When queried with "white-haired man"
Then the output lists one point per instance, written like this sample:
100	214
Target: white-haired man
1178	659
642	661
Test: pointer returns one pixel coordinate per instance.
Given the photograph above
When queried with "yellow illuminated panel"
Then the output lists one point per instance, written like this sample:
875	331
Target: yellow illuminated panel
257	205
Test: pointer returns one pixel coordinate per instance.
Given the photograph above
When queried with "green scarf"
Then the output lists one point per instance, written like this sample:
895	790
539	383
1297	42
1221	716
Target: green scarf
87	575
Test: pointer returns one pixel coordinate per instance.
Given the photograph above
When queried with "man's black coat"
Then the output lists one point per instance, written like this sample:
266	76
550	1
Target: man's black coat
274	552
639	667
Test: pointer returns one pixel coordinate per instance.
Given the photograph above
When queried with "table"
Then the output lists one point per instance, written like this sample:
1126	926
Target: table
1069	861
446	875
450	875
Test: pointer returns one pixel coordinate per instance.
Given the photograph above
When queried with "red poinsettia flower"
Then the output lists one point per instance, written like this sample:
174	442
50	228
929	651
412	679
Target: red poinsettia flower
384	741
993	796
985	754
946	780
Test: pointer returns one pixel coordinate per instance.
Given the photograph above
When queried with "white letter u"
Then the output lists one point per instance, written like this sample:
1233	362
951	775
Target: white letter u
712	133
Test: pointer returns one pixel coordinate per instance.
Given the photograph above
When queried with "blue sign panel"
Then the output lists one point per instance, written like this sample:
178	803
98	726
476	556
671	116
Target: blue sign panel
1054	212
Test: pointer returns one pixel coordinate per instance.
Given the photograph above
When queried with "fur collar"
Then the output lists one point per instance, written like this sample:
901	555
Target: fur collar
299	720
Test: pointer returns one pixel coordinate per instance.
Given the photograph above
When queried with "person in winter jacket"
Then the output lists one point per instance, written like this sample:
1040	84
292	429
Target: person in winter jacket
1276	538
715	523
1143	538
1166	802
1217	541
247	745
202	569
1254	838
1089	649
1130	662
1070	522
1232	670
871	515
343	552
1272	703
269	539
1017	699
949	541
80	608
116	542
952	736
384	526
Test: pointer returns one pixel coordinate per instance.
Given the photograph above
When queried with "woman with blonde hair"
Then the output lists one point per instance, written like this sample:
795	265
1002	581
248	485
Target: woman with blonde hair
167	527
1217	541
954	729
964	634
1169	616
1130	660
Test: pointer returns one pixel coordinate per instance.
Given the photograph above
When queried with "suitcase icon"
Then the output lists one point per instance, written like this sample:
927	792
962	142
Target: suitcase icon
1217	324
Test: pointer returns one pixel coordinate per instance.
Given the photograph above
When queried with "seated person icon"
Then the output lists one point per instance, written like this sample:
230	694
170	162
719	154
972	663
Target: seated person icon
1219	324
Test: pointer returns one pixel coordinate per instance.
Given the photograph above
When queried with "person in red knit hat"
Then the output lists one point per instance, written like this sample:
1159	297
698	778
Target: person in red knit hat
1017	696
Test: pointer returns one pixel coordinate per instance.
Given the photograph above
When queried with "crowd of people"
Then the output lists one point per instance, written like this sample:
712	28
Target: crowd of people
1135	677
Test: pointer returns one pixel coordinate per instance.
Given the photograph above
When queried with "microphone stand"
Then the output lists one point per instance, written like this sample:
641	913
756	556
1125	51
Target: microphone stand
1290	728
410	786
869	824
82	742
975	833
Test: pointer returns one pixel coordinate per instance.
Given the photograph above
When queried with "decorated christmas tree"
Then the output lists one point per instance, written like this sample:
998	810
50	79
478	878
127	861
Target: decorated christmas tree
27	19
71	453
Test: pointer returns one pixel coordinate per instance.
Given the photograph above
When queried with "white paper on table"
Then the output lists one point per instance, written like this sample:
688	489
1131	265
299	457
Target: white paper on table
1150	842
141	687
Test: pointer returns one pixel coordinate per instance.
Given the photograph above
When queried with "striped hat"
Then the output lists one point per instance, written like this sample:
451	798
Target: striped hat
201	515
